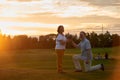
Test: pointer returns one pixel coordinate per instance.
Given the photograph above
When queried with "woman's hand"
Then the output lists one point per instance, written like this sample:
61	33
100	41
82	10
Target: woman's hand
69	40
62	42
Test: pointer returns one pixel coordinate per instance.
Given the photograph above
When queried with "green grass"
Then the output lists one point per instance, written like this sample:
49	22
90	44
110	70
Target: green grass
40	64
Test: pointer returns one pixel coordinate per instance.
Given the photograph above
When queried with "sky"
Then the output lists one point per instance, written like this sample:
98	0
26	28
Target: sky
40	17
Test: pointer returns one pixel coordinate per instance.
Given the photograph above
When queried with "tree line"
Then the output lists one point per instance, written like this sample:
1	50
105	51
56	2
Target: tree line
48	41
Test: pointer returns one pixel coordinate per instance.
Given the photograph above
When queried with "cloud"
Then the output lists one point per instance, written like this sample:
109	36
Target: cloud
77	20
60	8
109	8
67	21
70	13
103	3
29	28
97	27
61	11
23	0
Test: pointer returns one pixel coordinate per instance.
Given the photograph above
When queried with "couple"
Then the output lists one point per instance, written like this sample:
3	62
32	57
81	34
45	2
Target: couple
86	53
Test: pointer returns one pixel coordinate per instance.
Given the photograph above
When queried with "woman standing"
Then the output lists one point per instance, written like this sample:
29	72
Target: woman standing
60	47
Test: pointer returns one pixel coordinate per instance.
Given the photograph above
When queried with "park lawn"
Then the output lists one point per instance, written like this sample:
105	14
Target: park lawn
40	64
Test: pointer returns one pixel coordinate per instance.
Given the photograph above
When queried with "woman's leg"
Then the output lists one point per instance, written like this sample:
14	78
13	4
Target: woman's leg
60	54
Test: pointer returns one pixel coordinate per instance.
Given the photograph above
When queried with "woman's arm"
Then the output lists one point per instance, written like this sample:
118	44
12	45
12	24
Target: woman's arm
62	42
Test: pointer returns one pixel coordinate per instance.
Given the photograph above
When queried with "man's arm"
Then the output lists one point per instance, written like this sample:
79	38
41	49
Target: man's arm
88	56
88	53
74	44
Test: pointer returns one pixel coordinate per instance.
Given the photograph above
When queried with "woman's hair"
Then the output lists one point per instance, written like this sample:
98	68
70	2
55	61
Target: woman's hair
58	30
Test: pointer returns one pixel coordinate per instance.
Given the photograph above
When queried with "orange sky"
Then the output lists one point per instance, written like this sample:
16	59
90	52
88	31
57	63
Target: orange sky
35	17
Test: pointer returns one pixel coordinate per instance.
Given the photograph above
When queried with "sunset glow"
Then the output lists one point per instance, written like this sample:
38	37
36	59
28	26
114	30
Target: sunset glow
43	16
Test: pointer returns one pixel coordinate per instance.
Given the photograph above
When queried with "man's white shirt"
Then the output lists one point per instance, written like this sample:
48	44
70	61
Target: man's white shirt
84	45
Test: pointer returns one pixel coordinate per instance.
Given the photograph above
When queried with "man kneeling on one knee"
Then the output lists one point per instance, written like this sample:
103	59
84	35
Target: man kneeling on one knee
86	55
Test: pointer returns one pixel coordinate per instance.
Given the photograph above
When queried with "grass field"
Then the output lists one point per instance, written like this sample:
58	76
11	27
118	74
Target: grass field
40	64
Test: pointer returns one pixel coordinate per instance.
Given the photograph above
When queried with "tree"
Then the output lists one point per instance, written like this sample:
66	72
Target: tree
94	39
108	39
115	40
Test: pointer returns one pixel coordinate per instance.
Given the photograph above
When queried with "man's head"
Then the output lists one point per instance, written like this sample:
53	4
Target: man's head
82	35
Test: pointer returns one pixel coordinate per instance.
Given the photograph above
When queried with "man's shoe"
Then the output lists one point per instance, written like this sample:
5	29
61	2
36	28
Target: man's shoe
102	67
78	70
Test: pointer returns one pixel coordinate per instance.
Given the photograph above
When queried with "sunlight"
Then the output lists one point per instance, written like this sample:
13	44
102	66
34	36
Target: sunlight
11	13
10	32
9	28
2	1
28	28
